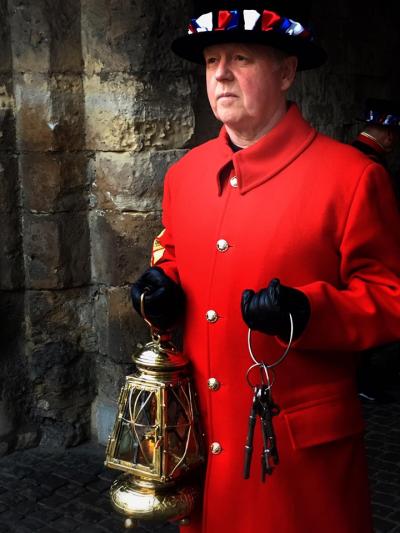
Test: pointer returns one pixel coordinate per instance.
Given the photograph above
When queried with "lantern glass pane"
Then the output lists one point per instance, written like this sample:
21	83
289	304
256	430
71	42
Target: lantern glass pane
139	429
180	445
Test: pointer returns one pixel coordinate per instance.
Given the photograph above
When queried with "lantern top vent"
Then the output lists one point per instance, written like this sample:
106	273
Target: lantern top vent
160	355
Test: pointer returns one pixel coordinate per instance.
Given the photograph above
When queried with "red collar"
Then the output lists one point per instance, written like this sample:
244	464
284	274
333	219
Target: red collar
372	143
270	155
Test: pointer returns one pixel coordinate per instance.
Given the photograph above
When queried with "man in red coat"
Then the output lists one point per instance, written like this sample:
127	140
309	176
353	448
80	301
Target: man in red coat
378	138
380	133
268	220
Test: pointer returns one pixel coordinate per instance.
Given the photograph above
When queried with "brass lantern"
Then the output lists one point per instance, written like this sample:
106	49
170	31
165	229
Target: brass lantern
156	439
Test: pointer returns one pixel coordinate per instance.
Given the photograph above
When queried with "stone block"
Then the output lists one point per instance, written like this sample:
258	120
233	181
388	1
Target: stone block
45	35
34	126
5	39
68	113
11	330
11	258
64	20
60	320
9	186
126	112
28	437
132	36
56	249
50	112
30	35
110	377
119	327
6	419
104	413
54	182
121	245
60	342
129	181
7	112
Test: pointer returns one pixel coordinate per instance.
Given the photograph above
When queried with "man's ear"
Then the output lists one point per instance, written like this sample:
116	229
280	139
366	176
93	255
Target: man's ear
389	139
288	72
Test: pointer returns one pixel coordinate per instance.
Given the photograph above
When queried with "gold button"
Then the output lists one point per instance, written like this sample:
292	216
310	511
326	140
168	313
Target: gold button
211	316
213	384
234	182
222	245
216	448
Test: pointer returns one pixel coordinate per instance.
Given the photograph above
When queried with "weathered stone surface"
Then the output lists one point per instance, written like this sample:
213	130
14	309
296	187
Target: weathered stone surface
110	378
54	182
14	384
5	39
11	331
120	245
135	36
48	312
64	22
125	112
28	436
7	112
317	94
46	35
56	249
11	258
124	328
60	363
104	413
9	186
6	422
30	35
129	181
50	112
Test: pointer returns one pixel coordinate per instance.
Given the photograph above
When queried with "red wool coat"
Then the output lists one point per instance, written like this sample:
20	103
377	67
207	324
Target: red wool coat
321	217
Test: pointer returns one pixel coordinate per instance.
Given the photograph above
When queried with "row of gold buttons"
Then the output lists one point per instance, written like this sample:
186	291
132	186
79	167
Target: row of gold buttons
212	316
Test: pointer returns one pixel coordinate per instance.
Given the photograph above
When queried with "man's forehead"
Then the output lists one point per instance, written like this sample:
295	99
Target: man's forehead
250	48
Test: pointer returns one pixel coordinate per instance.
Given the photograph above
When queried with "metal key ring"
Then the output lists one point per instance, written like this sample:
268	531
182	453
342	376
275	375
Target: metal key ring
264	367
278	361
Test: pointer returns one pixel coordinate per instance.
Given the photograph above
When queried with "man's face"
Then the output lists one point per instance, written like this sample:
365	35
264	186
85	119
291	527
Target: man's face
246	84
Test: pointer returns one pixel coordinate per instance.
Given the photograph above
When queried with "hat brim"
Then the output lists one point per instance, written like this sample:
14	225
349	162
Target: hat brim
191	47
371	123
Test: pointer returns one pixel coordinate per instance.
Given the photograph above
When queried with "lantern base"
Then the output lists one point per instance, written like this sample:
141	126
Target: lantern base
158	502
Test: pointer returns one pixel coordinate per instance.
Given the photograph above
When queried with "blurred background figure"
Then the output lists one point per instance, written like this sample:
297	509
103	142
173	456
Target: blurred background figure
381	132
378	374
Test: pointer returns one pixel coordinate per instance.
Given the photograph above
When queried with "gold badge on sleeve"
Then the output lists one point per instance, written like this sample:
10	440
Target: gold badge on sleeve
158	249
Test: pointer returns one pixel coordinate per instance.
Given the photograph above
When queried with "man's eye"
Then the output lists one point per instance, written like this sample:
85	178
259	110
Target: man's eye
211	60
240	58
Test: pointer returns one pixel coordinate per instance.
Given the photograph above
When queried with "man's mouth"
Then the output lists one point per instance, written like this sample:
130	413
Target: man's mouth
226	95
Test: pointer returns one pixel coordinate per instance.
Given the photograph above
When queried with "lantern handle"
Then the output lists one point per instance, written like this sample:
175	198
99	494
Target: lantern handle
155	335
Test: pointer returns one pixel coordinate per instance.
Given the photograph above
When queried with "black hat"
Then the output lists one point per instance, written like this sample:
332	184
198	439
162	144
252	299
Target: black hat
280	24
379	112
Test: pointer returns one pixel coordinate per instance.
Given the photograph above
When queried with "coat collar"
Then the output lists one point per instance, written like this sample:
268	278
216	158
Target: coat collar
268	156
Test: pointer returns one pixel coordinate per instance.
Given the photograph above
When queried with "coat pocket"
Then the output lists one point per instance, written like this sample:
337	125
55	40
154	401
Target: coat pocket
324	421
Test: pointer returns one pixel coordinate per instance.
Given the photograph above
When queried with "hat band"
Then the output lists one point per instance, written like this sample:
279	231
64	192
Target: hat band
249	20
383	119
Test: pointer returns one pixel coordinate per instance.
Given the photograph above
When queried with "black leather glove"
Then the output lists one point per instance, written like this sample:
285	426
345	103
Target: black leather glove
164	300
268	310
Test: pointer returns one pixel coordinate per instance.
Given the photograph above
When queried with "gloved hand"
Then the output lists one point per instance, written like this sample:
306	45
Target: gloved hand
268	310
164	300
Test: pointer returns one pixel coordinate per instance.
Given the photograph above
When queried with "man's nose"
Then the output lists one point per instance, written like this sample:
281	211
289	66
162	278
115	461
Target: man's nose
223	71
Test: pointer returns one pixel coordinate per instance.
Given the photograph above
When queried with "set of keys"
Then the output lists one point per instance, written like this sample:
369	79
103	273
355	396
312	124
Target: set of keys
264	409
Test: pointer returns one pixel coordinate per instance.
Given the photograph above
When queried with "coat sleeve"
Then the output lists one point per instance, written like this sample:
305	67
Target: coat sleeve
163	254
365	310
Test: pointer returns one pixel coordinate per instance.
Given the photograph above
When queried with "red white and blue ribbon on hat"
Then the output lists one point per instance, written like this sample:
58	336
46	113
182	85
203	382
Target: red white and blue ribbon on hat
383	119
251	20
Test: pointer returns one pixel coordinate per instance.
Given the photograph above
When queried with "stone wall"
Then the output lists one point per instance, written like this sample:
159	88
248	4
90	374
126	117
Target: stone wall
93	110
